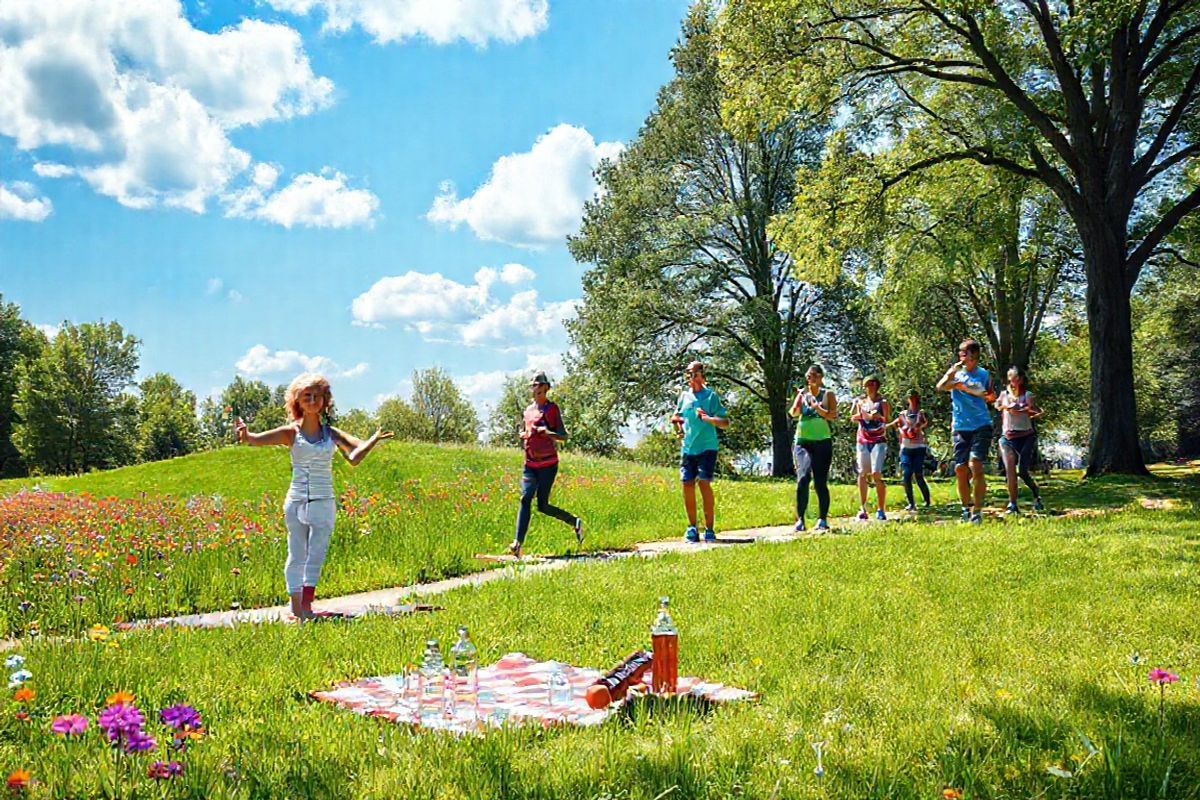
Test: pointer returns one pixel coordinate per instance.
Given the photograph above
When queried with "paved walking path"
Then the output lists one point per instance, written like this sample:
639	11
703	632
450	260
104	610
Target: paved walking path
409	599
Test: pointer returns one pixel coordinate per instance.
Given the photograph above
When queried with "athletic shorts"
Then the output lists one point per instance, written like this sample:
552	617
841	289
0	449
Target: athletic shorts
1023	446
871	456
698	467
972	445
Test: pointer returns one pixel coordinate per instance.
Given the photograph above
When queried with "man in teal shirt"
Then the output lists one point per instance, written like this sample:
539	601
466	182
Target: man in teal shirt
697	416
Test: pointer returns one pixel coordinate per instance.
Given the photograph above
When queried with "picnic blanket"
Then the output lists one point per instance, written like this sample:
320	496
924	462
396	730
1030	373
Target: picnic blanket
513	691
227	619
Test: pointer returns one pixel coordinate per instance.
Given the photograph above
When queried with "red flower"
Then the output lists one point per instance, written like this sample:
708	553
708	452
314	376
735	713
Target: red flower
1161	676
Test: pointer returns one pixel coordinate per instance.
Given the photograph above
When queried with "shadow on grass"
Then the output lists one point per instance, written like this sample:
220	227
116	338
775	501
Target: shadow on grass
1177	483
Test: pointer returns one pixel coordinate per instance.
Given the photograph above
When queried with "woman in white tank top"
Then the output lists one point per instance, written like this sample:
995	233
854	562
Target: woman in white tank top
310	506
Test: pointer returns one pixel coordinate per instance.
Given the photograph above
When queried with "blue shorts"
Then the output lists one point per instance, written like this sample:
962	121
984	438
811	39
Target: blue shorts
972	445
912	459
698	467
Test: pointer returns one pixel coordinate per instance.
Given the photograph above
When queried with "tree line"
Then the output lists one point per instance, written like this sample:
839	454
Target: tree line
70	404
865	184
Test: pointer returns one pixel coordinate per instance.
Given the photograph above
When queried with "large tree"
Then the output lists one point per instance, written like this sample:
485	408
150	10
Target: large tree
19	342
683	265
74	412
167	423
436	411
1106	94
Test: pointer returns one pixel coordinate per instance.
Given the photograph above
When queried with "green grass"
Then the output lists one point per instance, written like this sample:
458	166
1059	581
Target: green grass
927	656
411	513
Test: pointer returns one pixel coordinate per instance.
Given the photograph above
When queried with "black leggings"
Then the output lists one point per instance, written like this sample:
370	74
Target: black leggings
538	481
914	467
821	453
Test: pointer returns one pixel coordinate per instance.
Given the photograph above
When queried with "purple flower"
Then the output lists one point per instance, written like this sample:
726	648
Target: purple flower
69	724
180	717
139	742
120	721
1161	676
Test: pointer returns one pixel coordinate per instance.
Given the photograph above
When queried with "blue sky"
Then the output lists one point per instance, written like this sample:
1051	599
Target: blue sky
260	187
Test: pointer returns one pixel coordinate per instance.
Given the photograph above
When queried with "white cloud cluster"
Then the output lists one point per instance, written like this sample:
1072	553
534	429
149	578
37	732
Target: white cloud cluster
19	200
260	361
484	388
440	21
313	201
533	198
214	286
139	103
443	309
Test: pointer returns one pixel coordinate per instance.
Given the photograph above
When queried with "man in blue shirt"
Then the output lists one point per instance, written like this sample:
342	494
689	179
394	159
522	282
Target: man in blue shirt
971	391
697	416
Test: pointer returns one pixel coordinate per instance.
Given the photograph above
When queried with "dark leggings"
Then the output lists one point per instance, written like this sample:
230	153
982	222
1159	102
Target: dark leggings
1023	448
914	467
538	481
821	453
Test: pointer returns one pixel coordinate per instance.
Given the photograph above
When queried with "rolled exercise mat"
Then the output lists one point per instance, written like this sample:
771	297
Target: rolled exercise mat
616	683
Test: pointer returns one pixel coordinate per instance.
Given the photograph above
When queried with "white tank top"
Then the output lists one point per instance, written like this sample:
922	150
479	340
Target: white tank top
312	467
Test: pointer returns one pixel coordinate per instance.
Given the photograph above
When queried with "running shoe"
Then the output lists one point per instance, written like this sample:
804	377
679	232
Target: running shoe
966	514
976	518
799	526
578	531
879	515
1011	508
863	515
911	507
515	549
710	535
1037	504
822	525
692	535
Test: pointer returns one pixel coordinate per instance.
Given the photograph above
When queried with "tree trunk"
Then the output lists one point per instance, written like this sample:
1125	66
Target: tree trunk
781	434
1113	443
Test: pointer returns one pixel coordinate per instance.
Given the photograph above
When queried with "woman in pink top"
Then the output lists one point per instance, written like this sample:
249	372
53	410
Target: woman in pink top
1019	441
541	430
911	424
871	412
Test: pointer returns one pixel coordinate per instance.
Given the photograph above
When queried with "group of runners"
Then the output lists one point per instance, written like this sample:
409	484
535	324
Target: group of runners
816	408
310	503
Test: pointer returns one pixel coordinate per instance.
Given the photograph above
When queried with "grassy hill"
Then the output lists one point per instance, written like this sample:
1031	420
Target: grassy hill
934	661
206	532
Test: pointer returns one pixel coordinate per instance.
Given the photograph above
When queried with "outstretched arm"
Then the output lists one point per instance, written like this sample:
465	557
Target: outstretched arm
355	450
285	434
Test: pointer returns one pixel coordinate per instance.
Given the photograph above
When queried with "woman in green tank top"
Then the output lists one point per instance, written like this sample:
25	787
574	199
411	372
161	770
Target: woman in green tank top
816	407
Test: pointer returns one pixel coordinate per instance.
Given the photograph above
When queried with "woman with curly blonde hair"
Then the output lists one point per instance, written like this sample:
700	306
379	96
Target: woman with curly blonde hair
310	506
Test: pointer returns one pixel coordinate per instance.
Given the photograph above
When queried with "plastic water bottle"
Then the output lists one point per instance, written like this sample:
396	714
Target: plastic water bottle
464	663
558	687
665	639
432	668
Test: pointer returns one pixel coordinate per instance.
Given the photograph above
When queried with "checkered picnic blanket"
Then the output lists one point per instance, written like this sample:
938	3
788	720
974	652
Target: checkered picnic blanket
514	691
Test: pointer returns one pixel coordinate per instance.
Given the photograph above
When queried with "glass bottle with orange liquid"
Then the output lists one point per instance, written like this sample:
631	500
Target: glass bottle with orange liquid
665	639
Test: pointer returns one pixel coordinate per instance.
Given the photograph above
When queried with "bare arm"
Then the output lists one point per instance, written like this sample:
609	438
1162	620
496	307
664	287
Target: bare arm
797	401
947	381
353	449
285	435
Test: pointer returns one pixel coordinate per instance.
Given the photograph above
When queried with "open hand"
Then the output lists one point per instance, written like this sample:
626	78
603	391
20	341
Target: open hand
239	431
381	434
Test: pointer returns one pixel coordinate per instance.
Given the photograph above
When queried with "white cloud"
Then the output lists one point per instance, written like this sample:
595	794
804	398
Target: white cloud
234	296
313	201
260	361
50	330
422	300
50	170
533	198
140	100
443	309
484	388
213	286
18	200
440	21
522	320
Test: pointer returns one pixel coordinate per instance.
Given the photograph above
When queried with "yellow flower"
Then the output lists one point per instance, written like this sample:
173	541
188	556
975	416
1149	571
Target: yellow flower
122	696
98	633
1003	695
951	794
